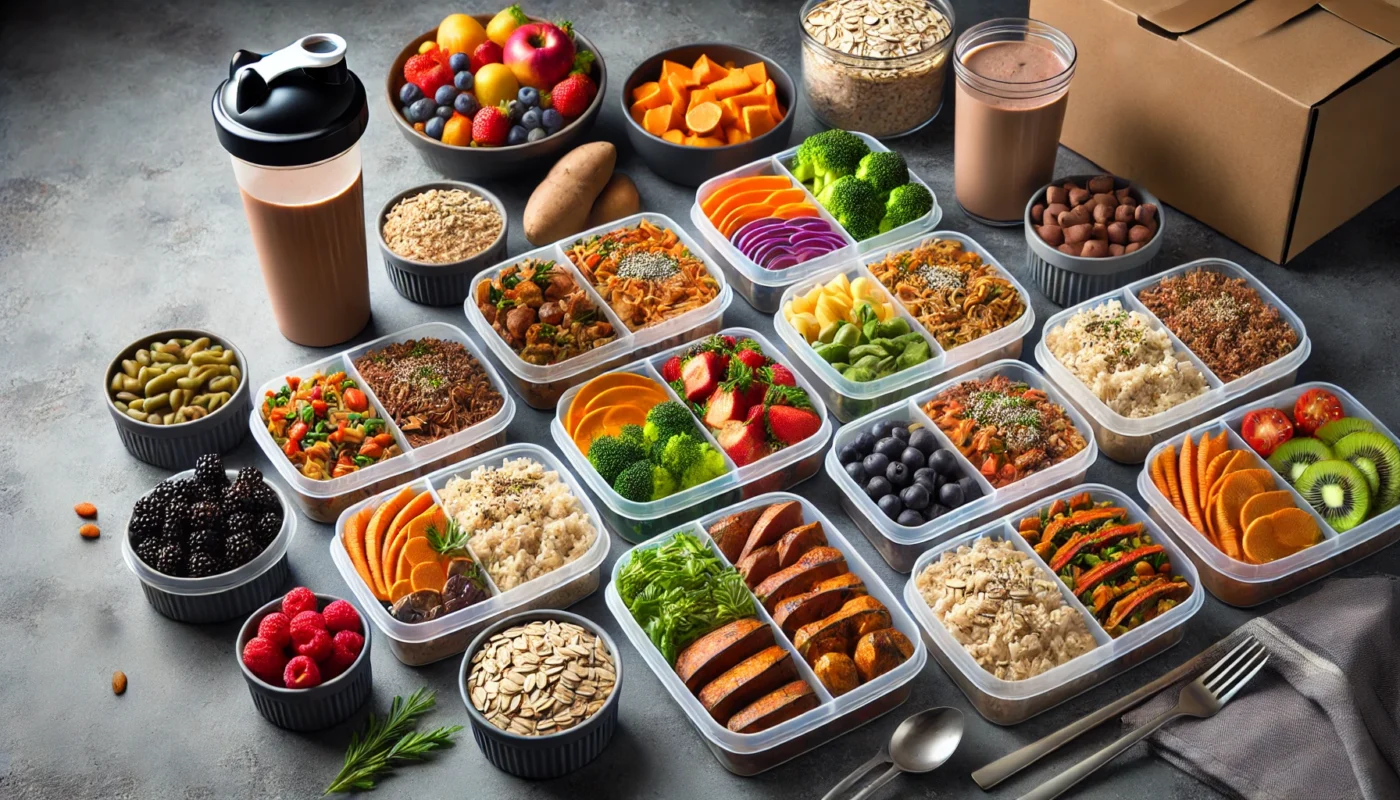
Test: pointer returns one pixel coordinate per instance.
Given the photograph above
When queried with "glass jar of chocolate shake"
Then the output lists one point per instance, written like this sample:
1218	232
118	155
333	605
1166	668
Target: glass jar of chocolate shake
292	122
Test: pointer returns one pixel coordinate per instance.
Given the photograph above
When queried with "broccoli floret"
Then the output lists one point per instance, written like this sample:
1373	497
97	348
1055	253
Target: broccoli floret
906	204
635	482
666	420
633	434
855	205
663	483
610	455
883	170
826	156
709	466
680	452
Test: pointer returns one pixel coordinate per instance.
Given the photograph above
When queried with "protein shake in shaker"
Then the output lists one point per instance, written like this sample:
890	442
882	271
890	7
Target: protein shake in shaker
292	122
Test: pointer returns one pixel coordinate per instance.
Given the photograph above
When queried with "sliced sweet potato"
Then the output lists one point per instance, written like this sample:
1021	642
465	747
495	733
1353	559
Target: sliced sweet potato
698	96
736	82
817	604
706	141
757	72
674	136
390	560
420	503
418	551
731	532
657	120
779	705
1264	504
679	96
880	651
703	118
717	197
775	521
669	68
400	589
757	120
837	672
378	525
353	537
721	650
794	210
706	71
747	681
743	200
815	565
1173	474
798	541
839	632
428	576
1189	484
733	135
758	565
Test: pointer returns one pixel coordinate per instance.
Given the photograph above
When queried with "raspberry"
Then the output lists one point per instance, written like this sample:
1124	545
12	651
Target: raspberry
301	673
347	647
306	622
427	72
276	628
298	600
341	616
264	659
317	646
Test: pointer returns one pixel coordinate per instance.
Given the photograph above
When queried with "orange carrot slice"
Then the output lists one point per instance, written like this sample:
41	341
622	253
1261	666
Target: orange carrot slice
1187	471
378	525
354	540
750	183
420	503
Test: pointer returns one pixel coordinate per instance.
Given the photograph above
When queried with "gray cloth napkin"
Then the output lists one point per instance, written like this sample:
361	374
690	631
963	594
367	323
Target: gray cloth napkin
1321	721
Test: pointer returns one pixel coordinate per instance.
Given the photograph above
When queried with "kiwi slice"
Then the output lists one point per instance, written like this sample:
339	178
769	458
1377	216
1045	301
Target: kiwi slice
1294	456
1338	491
1332	432
1379	460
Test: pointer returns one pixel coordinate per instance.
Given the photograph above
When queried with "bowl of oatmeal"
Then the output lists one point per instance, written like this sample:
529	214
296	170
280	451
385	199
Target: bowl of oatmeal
437	236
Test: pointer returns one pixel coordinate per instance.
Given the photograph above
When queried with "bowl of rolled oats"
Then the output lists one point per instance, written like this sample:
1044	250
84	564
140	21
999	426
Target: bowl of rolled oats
437	236
876	66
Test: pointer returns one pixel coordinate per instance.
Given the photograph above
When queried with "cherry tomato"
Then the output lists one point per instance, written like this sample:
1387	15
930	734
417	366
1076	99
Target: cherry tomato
355	400
1315	408
318	407
1265	429
291	448
297	432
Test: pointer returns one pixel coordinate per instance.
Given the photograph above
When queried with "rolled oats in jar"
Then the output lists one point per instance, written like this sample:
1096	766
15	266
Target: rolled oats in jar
876	66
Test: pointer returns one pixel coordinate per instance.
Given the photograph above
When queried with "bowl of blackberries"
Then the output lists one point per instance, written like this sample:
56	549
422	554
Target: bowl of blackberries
210	544
907	472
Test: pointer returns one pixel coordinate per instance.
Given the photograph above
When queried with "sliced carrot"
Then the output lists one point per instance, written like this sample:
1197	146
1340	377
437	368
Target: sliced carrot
784	197
1169	467
1159	477
742	217
703	118
413	508
625	395
415	528
757	72
1187	473
1279	535
1214	470
428	576
400	589
1264	504
378	525
1227	535
354	540
606	422
418	551
744	200
752	182
794	210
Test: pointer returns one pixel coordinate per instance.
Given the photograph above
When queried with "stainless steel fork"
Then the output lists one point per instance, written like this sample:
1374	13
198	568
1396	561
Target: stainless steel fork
1201	698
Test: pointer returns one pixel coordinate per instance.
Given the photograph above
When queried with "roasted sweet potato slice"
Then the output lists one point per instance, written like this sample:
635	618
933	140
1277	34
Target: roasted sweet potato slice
838	632
746	682
880	651
758	565
815	565
775	521
798	541
720	650
777	706
732	532
816	604
837	672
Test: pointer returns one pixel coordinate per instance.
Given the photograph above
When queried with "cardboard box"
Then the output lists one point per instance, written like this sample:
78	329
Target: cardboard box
1273	121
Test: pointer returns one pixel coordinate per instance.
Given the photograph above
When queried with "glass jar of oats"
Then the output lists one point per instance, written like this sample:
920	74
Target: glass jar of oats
876	66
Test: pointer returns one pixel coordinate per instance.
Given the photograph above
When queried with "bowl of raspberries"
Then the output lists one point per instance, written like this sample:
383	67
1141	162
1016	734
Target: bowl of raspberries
305	657
210	544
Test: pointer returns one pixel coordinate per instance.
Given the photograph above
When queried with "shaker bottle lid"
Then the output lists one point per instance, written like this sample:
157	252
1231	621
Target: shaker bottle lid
298	105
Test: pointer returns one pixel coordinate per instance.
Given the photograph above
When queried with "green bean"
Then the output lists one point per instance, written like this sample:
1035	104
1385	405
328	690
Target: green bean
152	403
161	384
164	357
206	357
235	372
224	383
197	345
136	414
178	398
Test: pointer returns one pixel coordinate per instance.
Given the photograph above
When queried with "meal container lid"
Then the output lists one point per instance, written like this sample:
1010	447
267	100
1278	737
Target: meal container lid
831	708
736	476
499	601
1219	392
1109	650
627	341
411	457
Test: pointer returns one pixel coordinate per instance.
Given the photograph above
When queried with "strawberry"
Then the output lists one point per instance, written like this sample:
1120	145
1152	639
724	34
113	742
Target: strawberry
490	126
745	443
755	414
425	71
753	396
779	395
488	52
572	96
752	358
701	376
729	341
671	370
790	424
725	404
779	374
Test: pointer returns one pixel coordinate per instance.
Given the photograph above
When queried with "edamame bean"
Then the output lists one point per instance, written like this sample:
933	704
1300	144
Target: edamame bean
164	358
152	403
162	384
136	414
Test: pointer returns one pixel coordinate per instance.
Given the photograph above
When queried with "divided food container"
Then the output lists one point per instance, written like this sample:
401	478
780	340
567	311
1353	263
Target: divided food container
900	546
848	399
762	287
752	753
541	386
323	500
1128	440
1246	585
1009	702
422	643
636	522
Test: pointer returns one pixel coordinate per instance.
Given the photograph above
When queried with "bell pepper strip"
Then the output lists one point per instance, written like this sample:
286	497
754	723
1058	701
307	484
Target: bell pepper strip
1140	599
1079	519
1107	536
1084	584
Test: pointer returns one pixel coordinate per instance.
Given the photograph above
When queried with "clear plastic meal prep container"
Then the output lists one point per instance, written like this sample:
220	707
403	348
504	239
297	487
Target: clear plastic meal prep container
1009	702
900	545
848	399
324	500
762	287
1128	440
422	643
783	469
752	753
541	386
1246	585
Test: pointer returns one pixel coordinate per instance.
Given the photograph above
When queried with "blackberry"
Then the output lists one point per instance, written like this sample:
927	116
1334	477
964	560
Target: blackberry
209	470
207	541
205	514
171	560
144	524
269	525
202	566
264	499
148	549
241	522
251	475
174	526
148	504
239	497
239	550
189	489
165	491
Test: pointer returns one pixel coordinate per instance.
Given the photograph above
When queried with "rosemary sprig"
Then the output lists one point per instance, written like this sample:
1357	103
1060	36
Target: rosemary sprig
388	742
445	541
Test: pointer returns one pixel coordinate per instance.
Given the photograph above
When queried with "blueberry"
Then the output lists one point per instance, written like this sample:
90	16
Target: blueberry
897	474
408	115
464	80
910	518
889	447
445	112
970	489
409	94
925	440
465	104
891	506
517	135
536	134
875	464
857	472
422	110
445	95
944	461
951	495
926	478
901	433
552	119
515	110
528	95
935	510
531	118
865	443
912	458
915	496
847	454
458	62
878	487
435	126
880	430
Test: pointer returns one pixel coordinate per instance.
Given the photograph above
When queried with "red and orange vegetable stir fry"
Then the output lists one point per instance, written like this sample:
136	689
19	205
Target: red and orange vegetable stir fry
326	427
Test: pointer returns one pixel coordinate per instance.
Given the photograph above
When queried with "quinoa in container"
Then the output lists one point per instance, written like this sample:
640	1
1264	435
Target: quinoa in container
876	66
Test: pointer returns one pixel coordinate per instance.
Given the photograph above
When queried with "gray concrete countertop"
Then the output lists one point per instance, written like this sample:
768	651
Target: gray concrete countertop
119	216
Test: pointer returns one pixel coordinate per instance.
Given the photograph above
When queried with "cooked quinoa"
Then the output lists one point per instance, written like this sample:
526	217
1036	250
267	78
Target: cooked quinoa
525	521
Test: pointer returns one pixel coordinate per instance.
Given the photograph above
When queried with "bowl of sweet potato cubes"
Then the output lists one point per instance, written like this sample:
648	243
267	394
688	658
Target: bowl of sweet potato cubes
697	111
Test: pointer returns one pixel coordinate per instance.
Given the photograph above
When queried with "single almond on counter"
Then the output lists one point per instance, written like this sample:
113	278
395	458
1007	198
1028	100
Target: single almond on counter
90	531
118	682
86	510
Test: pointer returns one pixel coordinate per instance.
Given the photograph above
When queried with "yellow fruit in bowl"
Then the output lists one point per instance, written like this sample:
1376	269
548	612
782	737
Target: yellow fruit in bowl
504	24
495	84
459	33
457	131
427	47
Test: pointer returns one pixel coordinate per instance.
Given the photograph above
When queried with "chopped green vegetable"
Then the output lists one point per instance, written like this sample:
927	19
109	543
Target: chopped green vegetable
883	170
668	419
610	455
634	483
905	204
826	156
854	204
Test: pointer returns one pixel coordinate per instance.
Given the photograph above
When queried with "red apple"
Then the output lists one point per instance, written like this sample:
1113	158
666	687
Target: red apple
540	54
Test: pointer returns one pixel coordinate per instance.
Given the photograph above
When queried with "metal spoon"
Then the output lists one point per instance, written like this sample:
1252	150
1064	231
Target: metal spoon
921	743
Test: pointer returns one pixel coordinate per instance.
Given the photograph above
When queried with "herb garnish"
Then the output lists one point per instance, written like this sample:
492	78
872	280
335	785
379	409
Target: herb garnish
390	742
